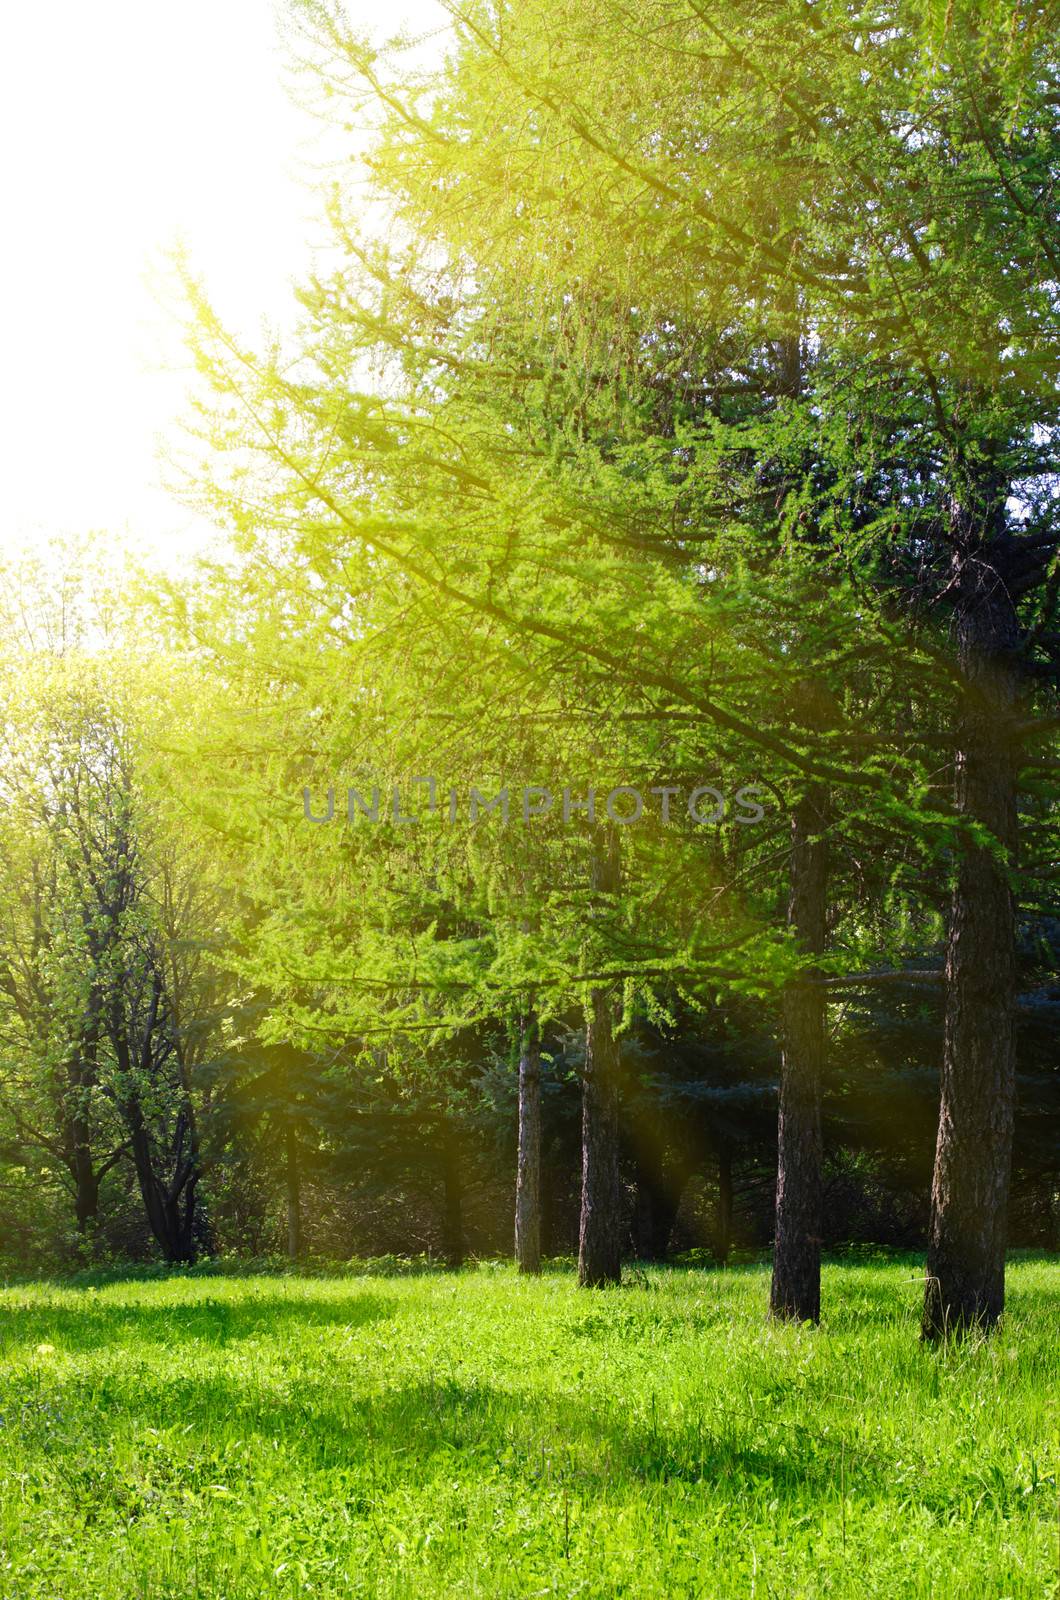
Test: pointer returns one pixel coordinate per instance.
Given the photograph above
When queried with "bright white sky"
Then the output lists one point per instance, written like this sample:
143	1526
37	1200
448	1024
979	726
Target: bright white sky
125	125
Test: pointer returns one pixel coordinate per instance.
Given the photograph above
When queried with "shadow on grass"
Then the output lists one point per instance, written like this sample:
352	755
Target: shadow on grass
407	1435
341	1419
132	1272
93	1324
411	1433
232	1434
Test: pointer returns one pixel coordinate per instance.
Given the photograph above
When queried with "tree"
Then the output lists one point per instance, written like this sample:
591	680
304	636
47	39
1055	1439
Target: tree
881	188
528	1161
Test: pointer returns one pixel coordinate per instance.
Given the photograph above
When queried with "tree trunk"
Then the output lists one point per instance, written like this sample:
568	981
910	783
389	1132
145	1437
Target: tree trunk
658	1202
600	1221
193	1224
965	1285
171	1222
86	1183
528	1173
169	1203
664	1216
294	1194
723	1245
796	1288
600	1232
453	1203
551	1244
82	1074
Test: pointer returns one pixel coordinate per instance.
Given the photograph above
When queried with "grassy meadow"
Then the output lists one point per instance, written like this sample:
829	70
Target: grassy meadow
477	1434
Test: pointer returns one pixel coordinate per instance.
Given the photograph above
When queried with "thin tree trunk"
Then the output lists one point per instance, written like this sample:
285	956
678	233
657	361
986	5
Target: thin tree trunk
294	1194
549	1202
973	1156
453	1205
658	1202
795	1292
82	1074
600	1222
528	1173
198	1235
600	1232
724	1227
667	1203
796	1287
86	1184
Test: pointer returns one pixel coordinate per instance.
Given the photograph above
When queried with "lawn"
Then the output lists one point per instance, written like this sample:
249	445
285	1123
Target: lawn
481	1435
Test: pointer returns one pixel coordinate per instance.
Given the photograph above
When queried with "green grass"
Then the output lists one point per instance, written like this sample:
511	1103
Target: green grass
478	1435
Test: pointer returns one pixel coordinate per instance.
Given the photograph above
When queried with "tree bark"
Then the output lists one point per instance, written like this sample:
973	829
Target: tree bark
453	1201
600	1232
528	1173
796	1287
965	1285
294	1193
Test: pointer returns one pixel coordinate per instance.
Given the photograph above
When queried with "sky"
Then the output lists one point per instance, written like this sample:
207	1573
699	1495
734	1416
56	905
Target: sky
128	126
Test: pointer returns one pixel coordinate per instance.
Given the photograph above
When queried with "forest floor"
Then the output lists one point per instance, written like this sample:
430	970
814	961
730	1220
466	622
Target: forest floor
481	1435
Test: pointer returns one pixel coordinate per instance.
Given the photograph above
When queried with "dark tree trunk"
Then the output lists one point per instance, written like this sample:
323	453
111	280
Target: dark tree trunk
795	1292
453	1199
86	1183
528	1173
600	1221
204	1240
600	1232
172	1220
723	1245
965	1285
197	1230
551	1244
643	1217
294	1193
658	1202
170	1208
796	1286
170	1202
667	1205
